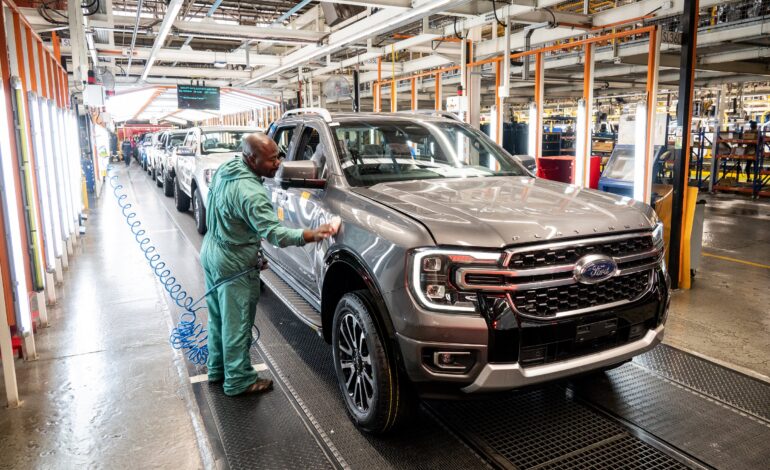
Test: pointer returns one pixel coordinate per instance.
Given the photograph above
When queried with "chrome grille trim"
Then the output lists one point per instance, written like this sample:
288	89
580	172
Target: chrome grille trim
569	313
562	274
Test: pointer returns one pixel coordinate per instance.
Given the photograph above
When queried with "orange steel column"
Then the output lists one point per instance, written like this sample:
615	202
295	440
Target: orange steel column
6	77
414	94
652	104
42	70
34	82
20	50
588	97
438	91
56	46
393	97
539	89
64	88
52	95
498	103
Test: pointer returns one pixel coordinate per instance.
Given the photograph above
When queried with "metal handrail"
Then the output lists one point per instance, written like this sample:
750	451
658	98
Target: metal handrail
323	112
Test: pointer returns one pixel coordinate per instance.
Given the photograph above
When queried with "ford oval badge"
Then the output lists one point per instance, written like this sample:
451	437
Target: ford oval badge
591	269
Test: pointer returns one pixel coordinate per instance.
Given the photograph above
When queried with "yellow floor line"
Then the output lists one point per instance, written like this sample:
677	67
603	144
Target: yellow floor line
757	265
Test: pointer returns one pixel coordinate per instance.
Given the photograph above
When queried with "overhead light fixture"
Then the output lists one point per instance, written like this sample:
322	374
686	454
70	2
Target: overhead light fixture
165	27
640	150
53	195
42	181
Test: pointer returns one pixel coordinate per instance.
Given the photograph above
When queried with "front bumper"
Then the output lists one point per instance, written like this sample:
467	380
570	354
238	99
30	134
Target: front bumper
497	377
510	351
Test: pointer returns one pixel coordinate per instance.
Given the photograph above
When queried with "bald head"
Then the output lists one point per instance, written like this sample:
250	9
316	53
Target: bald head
261	154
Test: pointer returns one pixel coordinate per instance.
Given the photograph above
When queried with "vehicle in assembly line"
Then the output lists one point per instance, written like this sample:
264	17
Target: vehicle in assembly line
455	270
199	156
163	169
146	149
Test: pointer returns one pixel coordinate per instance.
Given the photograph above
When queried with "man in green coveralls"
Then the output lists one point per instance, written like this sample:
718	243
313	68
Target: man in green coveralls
239	216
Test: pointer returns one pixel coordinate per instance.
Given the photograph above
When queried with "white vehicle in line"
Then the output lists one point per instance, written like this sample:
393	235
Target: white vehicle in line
165	160
197	159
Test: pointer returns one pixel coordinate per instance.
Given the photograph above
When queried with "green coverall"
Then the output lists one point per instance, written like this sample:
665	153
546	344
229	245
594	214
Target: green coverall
239	216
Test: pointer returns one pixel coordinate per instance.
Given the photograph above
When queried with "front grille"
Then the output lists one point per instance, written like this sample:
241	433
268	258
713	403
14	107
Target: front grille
538	258
549	301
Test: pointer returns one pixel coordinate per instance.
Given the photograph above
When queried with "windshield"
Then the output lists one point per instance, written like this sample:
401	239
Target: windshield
175	140
374	152
221	141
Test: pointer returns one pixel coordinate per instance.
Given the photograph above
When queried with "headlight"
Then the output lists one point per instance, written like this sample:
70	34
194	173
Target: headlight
659	243
208	175
657	235
430	273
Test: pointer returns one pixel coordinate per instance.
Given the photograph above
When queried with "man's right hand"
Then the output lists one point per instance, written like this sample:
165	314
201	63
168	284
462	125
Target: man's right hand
321	233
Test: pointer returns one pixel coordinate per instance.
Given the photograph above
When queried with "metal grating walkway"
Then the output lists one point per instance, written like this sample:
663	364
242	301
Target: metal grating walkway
665	410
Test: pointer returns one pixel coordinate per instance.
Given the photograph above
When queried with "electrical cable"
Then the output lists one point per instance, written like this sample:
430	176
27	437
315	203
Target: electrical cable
454	26
189	334
494	9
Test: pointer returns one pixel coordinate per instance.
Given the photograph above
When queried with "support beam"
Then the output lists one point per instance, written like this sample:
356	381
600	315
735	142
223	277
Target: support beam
249	32
78	41
689	25
379	22
193	57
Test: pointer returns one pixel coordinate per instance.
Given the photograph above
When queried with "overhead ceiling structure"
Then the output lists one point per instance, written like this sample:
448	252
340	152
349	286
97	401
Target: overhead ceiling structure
271	47
159	103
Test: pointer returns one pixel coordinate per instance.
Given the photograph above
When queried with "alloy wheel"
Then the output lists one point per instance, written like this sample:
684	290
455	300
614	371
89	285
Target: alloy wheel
196	209
356	363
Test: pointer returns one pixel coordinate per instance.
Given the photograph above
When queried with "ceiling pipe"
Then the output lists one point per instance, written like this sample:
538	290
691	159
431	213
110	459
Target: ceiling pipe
383	20
133	35
209	14
173	9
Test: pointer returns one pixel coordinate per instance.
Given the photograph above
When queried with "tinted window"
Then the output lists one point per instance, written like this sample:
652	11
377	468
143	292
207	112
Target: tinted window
283	137
222	141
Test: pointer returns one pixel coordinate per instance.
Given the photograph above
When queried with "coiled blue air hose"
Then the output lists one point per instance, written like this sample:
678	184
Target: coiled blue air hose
189	334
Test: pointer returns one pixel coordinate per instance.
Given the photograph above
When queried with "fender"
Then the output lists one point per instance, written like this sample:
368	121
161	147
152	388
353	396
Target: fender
344	254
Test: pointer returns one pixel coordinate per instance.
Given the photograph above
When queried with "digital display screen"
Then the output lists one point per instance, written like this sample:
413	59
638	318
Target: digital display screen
197	97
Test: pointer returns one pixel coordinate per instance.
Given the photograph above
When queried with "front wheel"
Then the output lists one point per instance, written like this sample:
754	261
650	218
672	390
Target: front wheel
157	175
168	185
378	396
199	212
181	200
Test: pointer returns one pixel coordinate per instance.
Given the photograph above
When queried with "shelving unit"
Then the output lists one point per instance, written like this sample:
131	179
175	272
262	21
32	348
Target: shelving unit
734	151
602	144
702	142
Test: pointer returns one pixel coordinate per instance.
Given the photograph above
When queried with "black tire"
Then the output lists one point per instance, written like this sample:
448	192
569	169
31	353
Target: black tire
181	200
199	212
158	177
168	186
378	396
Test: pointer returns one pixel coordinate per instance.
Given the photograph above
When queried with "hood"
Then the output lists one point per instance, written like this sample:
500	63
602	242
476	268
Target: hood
228	168
502	211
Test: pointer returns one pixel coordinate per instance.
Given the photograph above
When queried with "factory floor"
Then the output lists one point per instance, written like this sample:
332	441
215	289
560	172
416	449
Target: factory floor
108	391
725	316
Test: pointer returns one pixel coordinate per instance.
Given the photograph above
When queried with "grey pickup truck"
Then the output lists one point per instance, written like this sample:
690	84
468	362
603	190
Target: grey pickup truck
456	271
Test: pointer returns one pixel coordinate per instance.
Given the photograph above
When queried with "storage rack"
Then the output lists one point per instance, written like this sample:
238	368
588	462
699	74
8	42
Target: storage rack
734	162
702	141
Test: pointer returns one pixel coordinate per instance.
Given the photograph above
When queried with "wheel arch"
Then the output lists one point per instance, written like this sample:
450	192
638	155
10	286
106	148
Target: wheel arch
347	272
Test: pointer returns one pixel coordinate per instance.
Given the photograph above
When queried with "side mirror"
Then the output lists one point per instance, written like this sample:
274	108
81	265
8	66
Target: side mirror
185	151
301	174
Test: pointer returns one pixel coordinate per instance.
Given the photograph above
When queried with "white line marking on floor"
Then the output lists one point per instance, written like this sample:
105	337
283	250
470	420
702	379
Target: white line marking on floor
261	367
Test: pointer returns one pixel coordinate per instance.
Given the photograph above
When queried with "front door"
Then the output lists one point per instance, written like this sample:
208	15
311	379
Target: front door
305	208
